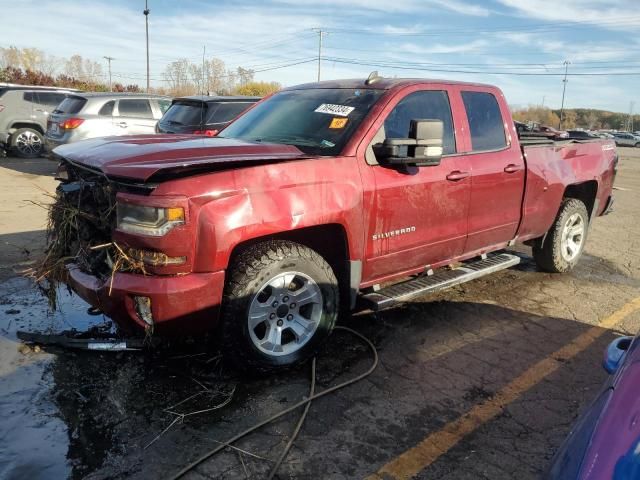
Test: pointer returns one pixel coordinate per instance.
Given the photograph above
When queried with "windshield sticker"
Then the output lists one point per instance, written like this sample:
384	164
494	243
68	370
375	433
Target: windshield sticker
327	144
337	122
332	109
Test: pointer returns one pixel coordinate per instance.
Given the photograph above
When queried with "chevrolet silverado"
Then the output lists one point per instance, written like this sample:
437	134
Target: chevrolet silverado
318	199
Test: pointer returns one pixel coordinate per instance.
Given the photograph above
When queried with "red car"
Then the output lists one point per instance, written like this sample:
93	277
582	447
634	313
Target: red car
551	132
313	198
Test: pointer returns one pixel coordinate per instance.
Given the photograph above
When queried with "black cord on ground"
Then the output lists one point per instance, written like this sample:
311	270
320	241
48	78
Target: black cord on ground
294	435
306	401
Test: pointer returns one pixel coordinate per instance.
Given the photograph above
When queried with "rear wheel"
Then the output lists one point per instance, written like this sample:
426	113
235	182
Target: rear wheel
637	145
280	304
564	243
27	143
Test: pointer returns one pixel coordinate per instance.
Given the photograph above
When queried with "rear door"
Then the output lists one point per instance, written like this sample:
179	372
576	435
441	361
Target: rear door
498	170
134	116
417	215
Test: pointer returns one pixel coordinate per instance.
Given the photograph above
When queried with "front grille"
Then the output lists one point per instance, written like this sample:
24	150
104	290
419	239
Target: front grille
84	217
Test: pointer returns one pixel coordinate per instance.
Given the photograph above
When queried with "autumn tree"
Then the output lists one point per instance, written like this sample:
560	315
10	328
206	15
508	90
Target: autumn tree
257	89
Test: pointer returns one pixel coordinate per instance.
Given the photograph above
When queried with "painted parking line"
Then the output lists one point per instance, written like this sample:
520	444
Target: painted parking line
419	457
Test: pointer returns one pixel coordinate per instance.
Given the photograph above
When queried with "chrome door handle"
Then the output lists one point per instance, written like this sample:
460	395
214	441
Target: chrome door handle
512	168
457	175
123	125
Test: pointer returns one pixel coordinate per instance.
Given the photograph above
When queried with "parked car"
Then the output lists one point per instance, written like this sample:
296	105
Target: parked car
313	197
522	128
604	134
624	139
204	115
551	132
24	111
90	115
581	135
605	440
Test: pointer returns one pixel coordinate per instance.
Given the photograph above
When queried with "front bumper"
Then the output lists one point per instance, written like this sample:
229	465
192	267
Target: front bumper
180	305
4	138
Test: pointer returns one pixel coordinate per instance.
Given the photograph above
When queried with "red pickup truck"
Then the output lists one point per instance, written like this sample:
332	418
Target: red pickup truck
320	198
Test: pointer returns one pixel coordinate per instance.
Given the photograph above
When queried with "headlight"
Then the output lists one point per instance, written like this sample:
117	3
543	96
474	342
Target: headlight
155	221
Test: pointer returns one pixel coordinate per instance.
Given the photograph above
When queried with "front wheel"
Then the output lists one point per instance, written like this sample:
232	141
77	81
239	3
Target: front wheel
565	240
280	304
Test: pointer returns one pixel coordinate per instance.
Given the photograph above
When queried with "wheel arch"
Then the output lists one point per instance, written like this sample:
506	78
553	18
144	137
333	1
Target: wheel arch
586	192
330	241
31	125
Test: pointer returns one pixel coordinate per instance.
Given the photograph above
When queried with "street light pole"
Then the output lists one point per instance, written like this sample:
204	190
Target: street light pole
146	26
564	88
108	59
320	34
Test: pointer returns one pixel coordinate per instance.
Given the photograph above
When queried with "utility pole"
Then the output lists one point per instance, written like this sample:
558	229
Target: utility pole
320	34
146	26
108	59
630	126
564	88
543	98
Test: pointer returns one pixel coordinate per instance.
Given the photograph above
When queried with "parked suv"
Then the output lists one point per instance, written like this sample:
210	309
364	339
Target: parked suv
202	115
90	115
23	116
624	139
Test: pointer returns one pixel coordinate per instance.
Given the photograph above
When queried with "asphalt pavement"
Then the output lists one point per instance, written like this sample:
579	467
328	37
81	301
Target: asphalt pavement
482	381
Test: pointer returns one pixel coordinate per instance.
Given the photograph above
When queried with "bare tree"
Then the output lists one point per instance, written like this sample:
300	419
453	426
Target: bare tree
73	67
176	75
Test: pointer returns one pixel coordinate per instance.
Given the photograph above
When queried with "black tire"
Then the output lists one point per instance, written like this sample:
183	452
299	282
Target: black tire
247	281
548	253
27	143
637	145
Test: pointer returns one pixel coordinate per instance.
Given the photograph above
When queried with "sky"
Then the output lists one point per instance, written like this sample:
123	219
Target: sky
518	45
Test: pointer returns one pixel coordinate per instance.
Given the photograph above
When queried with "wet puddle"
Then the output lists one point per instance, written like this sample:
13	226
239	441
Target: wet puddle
75	414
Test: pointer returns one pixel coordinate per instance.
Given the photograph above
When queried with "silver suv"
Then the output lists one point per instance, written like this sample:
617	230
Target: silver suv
90	115
23	116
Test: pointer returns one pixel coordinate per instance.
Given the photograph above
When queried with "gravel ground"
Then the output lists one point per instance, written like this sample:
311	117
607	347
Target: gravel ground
74	414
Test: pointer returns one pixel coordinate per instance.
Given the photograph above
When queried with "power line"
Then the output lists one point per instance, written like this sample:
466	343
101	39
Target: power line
417	67
623	21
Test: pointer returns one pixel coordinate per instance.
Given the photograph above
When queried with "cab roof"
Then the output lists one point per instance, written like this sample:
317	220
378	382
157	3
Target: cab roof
381	83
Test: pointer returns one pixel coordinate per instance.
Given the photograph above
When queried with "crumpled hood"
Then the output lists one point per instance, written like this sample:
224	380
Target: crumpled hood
141	157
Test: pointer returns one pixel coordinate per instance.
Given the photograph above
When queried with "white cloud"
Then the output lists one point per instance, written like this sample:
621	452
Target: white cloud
404	6
437	48
602	13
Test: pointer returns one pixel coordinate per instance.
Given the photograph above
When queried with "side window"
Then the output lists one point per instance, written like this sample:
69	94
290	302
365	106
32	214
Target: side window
135	108
226	111
485	121
50	99
426	104
163	105
31	97
107	109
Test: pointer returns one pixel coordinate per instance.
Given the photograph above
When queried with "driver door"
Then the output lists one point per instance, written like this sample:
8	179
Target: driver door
417	216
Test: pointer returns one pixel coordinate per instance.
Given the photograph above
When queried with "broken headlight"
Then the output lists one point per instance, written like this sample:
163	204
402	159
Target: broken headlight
141	219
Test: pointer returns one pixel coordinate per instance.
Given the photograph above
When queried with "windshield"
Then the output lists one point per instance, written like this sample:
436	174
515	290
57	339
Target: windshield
319	121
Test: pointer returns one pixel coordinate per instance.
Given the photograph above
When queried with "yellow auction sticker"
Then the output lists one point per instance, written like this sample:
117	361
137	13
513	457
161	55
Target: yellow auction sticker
338	122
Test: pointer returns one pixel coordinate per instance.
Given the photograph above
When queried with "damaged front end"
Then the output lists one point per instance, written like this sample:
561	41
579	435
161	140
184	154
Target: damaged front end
81	222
